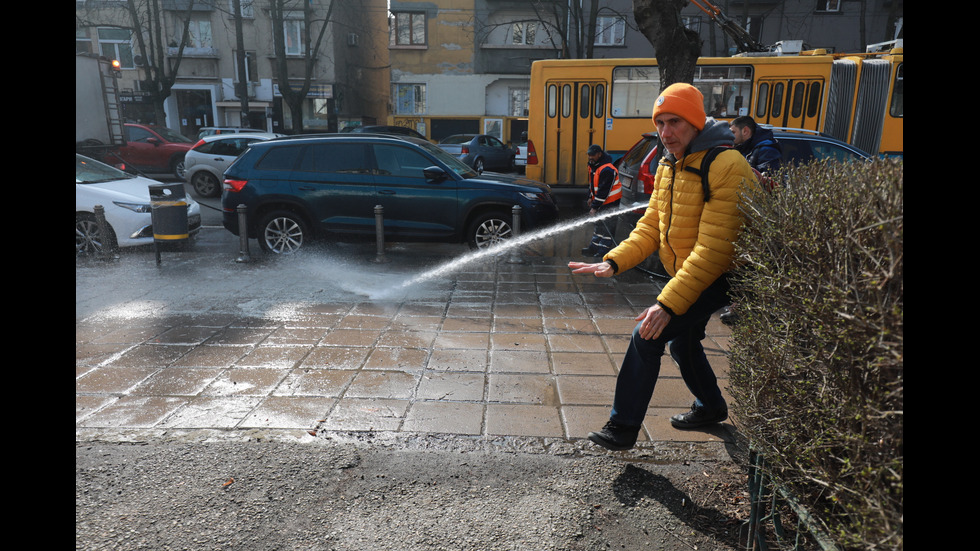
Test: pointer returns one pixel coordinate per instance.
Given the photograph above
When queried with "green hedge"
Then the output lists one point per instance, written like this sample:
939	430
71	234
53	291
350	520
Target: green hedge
817	354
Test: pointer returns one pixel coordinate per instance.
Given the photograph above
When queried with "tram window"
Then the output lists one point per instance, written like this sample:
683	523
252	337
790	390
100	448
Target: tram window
634	89
724	89
552	100
599	100
762	101
777	99
813	105
722	73
566	100
584	104
799	94
897	108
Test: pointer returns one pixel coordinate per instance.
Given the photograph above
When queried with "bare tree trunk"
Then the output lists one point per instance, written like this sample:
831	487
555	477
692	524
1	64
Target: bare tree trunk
241	87
294	97
588	36
160	74
677	48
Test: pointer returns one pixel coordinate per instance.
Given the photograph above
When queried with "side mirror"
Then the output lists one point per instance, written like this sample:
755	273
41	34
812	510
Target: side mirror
434	174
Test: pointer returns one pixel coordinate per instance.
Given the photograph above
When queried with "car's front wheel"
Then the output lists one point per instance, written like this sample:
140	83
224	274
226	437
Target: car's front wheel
283	232
489	230
205	184
88	238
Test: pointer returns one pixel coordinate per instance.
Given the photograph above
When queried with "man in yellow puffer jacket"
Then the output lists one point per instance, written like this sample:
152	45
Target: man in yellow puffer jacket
695	238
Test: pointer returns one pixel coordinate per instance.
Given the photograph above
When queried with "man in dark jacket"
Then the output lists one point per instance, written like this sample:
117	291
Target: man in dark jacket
759	146
604	193
764	154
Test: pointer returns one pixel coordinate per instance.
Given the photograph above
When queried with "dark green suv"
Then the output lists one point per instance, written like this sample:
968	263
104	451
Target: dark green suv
327	186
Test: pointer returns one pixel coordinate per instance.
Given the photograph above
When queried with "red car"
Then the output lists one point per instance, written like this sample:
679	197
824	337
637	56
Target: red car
637	169
152	149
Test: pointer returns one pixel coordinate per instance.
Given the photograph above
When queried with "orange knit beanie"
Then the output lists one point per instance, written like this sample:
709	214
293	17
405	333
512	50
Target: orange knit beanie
682	100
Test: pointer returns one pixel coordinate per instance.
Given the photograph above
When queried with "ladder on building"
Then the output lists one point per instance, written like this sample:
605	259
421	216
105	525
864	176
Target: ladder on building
113	109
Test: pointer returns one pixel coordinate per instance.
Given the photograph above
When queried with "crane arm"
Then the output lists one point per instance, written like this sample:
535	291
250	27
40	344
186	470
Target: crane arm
743	40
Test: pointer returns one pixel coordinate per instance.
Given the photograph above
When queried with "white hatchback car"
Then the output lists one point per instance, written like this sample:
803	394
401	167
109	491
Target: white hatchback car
125	199
205	163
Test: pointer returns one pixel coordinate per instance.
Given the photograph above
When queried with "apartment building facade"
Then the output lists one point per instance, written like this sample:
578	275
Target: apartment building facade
440	66
348	81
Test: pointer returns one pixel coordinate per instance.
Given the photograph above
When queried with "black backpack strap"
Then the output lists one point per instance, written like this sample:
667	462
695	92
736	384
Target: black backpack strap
709	157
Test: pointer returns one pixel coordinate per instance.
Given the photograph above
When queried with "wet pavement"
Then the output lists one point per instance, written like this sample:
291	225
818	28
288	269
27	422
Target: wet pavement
327	342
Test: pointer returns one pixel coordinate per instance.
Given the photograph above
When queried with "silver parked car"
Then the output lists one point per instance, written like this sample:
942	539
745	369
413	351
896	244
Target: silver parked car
205	163
480	151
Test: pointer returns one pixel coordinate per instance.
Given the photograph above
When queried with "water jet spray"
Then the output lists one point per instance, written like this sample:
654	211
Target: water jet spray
542	233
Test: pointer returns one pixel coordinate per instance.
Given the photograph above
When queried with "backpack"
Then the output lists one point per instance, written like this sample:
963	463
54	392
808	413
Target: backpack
705	165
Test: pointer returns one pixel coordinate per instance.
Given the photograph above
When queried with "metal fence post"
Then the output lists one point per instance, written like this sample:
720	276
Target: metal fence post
379	231
243	254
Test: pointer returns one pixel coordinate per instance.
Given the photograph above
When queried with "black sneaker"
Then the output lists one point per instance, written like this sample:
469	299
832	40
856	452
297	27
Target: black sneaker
699	416
615	437
728	317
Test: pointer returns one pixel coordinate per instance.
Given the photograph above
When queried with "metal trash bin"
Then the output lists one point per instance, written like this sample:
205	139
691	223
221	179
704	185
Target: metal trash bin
168	212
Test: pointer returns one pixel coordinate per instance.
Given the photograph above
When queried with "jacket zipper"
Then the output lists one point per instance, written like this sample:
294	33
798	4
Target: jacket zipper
670	216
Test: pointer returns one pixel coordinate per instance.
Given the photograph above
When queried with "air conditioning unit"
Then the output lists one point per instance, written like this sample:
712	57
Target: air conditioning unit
352	39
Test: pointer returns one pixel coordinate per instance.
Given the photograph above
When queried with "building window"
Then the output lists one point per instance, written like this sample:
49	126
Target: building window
518	101
117	44
610	31
251	70
828	6
408	29
409	99
522	33
83	42
693	23
247	11
199	34
293	35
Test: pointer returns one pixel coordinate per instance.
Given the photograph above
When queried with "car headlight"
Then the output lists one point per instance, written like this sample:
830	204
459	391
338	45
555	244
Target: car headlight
537	197
135	207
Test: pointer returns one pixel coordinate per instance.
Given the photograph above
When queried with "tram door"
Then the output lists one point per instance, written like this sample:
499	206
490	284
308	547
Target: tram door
574	121
791	103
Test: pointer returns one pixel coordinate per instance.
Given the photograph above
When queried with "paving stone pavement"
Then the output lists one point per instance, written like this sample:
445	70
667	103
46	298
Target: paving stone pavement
331	340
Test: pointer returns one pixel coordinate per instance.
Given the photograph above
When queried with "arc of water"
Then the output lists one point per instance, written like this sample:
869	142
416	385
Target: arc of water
459	262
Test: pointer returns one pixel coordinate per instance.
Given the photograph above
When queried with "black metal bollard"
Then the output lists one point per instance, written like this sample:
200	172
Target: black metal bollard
515	253
243	254
104	252
379	231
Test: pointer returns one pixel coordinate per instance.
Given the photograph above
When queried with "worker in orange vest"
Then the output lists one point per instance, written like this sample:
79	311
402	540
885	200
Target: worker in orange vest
604	193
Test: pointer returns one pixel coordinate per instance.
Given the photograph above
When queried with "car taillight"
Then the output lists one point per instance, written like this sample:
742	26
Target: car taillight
532	156
234	185
465	150
199	143
644	180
